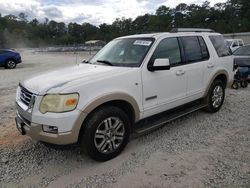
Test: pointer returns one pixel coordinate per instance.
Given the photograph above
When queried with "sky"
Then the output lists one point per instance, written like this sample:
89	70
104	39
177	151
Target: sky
92	11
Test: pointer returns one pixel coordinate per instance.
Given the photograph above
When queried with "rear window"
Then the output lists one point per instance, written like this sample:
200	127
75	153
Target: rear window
220	46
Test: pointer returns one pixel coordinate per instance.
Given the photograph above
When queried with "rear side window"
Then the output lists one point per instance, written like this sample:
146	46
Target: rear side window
219	45
204	50
192	49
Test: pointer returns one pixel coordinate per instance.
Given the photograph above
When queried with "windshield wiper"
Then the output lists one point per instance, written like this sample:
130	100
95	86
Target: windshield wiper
85	61
105	62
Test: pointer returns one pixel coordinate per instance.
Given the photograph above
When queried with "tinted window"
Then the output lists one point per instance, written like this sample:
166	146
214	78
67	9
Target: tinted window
168	48
219	45
192	49
204	50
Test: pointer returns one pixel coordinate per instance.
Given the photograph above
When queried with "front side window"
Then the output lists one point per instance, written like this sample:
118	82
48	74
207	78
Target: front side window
127	52
168	49
219	45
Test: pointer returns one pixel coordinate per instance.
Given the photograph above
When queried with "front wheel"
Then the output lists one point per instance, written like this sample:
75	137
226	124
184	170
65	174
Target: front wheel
215	97
106	133
10	64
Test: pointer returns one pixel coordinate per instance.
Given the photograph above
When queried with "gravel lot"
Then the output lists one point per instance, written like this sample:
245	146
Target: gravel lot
198	150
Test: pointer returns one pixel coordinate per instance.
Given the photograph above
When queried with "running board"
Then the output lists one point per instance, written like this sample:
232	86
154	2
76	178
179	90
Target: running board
150	124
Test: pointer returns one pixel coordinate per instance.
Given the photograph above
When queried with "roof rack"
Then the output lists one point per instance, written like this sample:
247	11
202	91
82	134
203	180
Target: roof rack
176	30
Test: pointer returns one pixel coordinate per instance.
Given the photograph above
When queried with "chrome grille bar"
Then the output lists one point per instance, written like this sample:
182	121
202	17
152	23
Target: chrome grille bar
25	95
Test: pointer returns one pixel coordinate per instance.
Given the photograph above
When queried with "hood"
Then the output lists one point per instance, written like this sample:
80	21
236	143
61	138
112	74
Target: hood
58	78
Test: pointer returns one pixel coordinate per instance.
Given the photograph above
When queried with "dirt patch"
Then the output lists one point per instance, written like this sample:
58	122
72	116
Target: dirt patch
9	135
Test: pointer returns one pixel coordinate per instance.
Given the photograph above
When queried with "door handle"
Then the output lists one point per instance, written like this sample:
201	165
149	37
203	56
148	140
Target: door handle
180	72
210	65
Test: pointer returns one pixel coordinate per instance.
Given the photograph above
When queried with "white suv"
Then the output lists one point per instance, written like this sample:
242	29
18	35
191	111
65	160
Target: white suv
133	85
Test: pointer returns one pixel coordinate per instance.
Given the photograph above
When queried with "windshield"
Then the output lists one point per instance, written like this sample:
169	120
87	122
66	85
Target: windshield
244	50
127	52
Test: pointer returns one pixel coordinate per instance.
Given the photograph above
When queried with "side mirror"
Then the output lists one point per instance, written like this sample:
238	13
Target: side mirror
159	64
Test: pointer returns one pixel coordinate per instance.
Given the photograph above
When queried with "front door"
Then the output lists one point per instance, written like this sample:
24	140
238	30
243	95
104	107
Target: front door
164	89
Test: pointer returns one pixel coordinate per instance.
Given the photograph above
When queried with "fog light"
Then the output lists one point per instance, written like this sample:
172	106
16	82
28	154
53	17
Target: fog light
50	129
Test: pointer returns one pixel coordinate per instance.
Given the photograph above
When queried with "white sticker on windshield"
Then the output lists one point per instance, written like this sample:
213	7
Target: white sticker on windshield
142	42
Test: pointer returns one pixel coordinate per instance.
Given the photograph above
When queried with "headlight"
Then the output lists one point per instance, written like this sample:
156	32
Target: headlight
59	103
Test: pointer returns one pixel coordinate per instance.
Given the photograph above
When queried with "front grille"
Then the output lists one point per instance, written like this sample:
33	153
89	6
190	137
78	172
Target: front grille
25	96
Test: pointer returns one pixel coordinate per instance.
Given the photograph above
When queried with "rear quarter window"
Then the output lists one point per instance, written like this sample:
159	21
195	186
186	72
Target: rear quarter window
219	45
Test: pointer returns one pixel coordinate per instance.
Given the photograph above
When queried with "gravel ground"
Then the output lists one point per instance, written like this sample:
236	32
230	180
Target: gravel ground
198	150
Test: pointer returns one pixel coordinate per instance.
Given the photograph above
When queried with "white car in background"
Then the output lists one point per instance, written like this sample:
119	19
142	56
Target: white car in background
234	44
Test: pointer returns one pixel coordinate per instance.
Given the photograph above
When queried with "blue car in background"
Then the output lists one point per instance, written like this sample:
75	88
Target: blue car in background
9	59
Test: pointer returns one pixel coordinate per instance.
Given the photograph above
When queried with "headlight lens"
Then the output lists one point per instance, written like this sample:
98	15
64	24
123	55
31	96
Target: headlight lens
59	103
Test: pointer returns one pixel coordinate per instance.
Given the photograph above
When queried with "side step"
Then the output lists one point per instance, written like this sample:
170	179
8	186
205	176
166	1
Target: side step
150	124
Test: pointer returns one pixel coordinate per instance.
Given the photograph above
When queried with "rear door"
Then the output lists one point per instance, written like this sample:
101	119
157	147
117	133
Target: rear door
196	57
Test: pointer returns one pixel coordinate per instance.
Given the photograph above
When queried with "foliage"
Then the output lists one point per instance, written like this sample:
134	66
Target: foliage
231	16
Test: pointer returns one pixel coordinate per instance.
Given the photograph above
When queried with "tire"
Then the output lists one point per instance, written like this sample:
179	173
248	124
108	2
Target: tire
244	84
10	64
106	133
235	85
215	97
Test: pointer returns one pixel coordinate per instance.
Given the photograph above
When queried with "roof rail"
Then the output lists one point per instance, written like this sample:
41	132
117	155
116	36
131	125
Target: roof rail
176	30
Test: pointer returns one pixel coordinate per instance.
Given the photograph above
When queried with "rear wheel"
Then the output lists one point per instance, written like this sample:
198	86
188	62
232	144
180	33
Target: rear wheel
106	133
244	84
215	97
235	85
10	64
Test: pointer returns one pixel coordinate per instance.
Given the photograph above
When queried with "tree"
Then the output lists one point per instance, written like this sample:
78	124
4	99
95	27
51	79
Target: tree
231	16
23	17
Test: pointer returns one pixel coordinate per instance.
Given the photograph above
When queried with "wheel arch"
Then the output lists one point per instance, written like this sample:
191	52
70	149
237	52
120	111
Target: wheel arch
10	58
219	75
121	100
